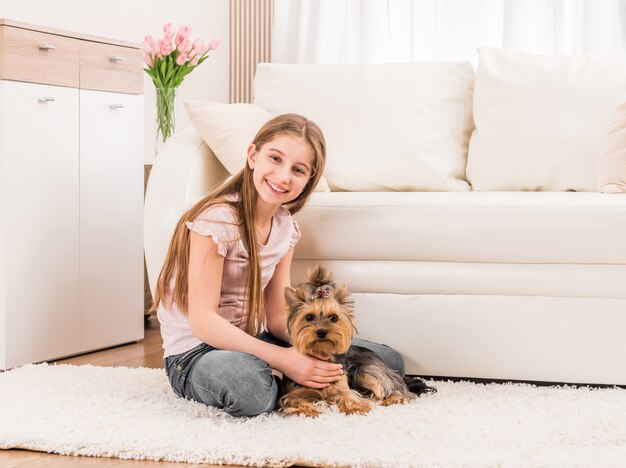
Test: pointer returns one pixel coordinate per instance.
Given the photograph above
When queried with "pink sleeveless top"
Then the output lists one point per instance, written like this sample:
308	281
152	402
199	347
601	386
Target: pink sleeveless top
220	222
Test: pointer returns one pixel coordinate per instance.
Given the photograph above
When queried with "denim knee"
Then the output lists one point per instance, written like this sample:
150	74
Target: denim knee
259	395
390	356
241	384
394	360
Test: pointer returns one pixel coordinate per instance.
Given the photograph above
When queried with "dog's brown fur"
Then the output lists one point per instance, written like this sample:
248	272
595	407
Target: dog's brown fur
321	320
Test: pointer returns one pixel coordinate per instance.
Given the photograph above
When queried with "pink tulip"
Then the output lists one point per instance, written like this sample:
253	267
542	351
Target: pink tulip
184	31
195	52
166	48
168	29
150	45
157	48
194	61
184	46
167	38
148	59
182	58
199	46
214	44
178	39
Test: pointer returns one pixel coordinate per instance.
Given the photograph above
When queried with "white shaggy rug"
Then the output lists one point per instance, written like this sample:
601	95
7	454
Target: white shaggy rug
132	413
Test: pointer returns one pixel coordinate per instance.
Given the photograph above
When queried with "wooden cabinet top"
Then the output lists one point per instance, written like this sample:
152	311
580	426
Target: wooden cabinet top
61	32
51	56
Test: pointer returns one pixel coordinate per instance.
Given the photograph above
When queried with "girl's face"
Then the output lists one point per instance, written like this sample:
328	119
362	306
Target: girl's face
281	168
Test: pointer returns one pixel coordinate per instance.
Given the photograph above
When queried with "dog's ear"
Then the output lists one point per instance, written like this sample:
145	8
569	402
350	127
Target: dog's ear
294	297
343	298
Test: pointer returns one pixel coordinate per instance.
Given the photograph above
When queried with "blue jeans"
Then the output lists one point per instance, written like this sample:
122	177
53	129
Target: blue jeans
240	383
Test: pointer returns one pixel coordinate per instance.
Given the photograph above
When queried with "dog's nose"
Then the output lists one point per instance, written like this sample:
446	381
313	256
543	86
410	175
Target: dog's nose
322	333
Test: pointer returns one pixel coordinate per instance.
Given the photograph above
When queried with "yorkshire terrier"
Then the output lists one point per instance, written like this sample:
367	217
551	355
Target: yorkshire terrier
321	321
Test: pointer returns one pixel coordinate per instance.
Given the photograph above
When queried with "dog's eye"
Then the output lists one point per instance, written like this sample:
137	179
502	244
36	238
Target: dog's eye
309	317
334	318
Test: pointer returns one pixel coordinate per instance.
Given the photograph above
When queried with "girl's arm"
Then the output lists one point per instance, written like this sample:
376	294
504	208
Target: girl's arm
205	282
275	298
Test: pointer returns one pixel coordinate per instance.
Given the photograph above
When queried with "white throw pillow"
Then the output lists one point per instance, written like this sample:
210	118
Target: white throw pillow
228	129
541	120
402	126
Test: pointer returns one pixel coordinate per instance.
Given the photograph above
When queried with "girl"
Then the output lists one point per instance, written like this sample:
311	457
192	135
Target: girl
219	297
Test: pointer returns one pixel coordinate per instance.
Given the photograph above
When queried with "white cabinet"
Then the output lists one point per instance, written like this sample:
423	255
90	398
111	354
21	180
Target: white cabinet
111	203
71	195
40	224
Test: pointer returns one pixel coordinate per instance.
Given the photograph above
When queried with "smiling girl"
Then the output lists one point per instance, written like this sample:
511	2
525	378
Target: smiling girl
220	294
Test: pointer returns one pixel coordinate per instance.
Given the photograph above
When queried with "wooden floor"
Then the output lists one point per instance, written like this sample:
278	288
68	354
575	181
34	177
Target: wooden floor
146	353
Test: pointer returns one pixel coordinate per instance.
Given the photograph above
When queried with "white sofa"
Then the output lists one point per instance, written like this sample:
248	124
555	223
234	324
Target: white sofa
466	278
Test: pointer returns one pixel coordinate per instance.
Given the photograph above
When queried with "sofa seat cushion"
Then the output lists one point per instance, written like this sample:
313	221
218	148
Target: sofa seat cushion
489	279
495	227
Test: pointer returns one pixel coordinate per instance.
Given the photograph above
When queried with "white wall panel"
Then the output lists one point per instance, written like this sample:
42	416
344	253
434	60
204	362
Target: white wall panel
131	20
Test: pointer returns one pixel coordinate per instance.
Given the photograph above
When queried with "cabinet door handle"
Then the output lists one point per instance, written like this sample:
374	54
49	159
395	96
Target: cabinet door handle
116	58
46	99
47	47
116	106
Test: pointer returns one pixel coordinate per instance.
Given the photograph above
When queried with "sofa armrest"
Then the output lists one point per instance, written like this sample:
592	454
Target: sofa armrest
183	172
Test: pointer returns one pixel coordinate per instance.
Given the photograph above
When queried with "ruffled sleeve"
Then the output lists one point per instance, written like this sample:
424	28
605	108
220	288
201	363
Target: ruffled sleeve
217	222
295	234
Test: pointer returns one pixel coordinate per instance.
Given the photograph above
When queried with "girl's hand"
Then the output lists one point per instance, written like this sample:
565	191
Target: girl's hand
308	370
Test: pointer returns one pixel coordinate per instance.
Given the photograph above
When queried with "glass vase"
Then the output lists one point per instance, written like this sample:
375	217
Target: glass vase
166	113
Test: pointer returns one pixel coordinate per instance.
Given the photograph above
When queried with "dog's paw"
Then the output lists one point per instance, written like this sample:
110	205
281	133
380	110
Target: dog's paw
355	407
362	410
308	411
397	400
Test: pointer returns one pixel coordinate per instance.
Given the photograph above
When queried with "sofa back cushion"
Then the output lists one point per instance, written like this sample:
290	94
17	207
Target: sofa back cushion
541	120
612	160
397	126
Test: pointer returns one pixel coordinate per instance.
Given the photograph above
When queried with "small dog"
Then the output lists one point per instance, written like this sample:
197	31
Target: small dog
321	320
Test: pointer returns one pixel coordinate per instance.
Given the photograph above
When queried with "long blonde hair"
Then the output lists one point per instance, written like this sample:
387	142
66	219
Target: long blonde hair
177	259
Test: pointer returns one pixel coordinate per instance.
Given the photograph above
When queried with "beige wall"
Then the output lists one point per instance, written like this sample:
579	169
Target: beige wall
131	20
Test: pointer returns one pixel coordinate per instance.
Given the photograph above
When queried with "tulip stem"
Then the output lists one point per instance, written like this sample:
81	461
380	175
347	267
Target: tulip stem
165	111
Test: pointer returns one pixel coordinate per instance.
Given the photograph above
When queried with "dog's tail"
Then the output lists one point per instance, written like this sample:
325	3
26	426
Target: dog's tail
418	386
